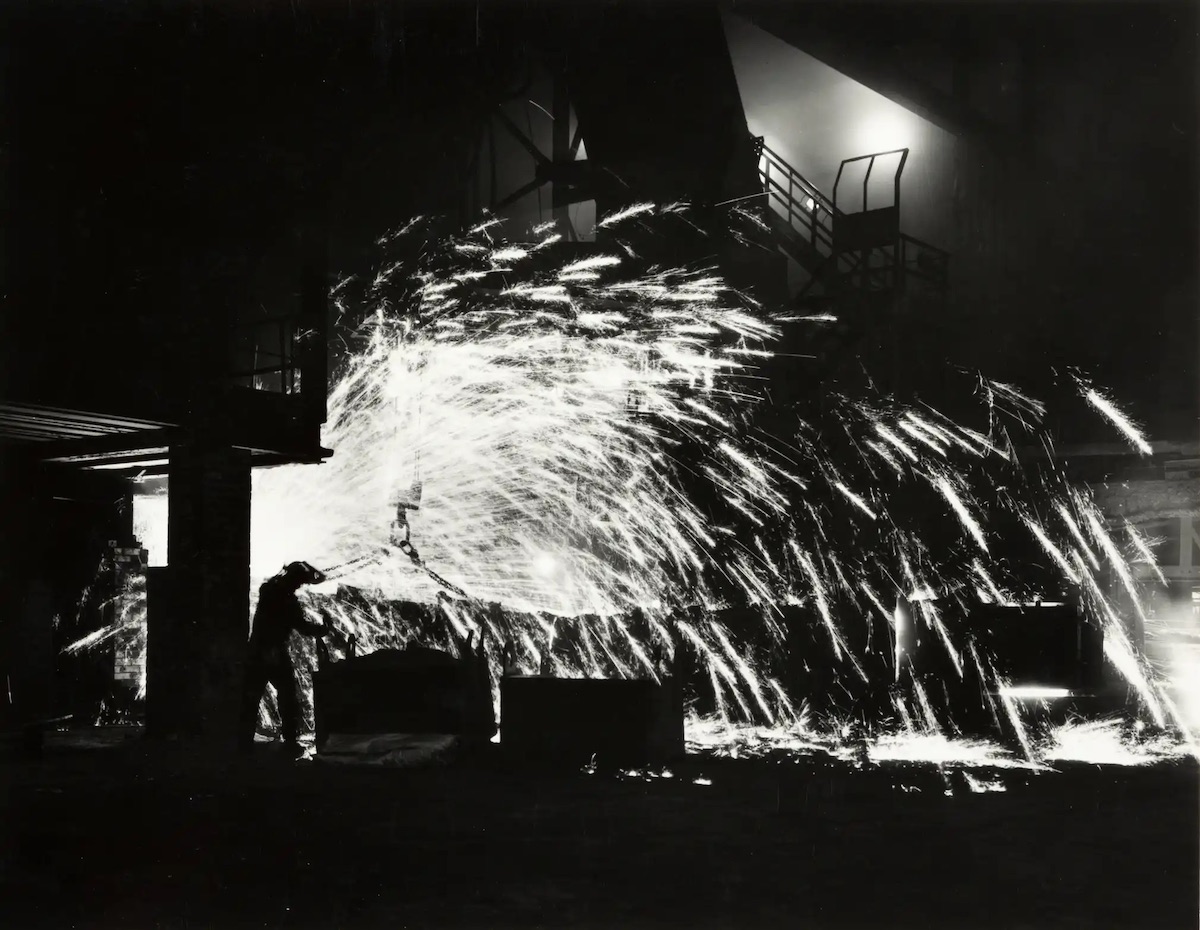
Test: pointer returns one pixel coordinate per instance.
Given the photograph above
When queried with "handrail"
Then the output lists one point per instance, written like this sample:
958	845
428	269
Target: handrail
774	158
811	216
870	159
817	232
803	212
921	243
921	260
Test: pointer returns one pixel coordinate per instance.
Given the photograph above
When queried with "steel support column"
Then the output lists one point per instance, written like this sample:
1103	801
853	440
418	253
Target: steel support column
198	606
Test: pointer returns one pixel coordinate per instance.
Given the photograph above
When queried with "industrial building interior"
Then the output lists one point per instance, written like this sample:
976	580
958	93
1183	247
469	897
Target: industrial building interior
207	205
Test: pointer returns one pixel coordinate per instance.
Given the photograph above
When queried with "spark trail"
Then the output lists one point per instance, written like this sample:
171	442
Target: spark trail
588	438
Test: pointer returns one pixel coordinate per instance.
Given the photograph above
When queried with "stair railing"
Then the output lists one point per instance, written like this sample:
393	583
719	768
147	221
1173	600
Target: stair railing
810	214
806	209
923	261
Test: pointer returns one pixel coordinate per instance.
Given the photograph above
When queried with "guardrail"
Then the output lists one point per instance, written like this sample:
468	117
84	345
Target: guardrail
811	217
806	209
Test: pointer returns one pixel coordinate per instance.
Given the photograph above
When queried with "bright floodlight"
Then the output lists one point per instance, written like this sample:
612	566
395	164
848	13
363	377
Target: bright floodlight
883	131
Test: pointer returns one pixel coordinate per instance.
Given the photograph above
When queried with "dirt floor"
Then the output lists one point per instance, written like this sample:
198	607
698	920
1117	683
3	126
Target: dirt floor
138	835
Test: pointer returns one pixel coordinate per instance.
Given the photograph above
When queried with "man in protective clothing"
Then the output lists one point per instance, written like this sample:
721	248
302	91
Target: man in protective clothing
268	660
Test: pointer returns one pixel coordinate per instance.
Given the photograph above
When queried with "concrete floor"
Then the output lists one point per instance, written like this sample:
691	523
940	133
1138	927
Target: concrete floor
137	835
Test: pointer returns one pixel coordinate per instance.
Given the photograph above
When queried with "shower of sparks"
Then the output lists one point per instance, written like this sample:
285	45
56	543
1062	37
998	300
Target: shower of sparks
1145	556
1106	742
968	520
629	212
127	629
1118	419
574	442
940	749
982	785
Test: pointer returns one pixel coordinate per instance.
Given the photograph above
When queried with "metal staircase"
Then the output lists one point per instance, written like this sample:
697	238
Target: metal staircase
863	273
857	259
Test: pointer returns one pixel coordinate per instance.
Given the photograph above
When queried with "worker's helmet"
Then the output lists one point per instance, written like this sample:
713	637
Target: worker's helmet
302	572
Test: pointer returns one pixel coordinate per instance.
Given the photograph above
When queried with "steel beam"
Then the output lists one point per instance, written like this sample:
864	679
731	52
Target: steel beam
100	447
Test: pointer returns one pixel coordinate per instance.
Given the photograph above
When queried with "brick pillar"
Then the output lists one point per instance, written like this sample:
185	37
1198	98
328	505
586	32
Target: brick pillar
198	607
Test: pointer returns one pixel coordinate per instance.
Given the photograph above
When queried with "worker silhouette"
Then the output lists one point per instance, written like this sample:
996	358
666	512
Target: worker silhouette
278	614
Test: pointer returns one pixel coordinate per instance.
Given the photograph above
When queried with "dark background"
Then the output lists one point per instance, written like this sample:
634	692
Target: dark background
163	162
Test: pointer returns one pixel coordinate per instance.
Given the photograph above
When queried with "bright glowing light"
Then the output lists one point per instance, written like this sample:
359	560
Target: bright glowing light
1034	693
546	564
150	525
1104	742
1173	648
149	463
887	128
942	750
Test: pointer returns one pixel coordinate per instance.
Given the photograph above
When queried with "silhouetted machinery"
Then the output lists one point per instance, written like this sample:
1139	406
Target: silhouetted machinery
622	719
573	721
546	720
415	690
